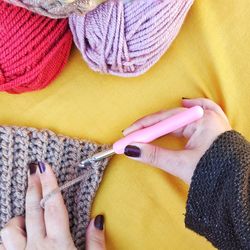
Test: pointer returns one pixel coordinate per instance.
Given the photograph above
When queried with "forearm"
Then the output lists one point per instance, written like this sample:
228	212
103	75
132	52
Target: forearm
218	201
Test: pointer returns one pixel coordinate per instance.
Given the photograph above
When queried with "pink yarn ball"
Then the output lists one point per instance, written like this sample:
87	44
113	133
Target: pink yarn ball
126	38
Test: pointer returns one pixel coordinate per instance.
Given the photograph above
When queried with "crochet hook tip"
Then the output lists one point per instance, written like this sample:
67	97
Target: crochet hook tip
97	157
85	163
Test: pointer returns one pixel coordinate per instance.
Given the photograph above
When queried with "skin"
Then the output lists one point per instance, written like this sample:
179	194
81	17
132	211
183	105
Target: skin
200	136
49	228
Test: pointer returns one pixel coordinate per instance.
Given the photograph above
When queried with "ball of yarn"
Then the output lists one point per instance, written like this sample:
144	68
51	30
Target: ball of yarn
127	38
57	8
33	49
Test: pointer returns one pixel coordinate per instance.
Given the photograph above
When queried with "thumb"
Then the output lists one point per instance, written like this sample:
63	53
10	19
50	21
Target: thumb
95	238
13	234
180	163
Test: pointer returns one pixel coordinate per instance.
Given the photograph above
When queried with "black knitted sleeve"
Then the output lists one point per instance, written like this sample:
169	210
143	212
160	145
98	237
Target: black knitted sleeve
218	205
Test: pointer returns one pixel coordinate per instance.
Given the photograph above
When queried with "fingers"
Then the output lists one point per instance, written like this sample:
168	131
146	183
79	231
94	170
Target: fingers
95	238
178	163
2	247
159	116
206	104
55	214
33	212
150	120
13	234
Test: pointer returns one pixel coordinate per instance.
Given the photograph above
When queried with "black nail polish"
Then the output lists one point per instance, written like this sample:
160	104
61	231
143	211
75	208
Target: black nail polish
32	168
185	98
132	151
41	167
99	221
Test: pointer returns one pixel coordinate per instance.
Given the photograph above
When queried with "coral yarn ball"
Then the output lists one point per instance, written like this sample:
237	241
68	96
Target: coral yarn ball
33	49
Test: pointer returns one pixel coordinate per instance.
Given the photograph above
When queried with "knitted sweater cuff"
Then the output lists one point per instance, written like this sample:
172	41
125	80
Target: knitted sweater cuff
216	196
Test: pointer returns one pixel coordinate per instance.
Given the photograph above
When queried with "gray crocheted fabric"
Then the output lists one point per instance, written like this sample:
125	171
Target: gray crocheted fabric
57	8
20	146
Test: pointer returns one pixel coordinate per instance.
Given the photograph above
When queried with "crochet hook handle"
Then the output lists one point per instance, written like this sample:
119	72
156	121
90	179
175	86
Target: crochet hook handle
159	129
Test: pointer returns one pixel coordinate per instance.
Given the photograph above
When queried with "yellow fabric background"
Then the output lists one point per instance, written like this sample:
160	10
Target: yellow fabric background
144	207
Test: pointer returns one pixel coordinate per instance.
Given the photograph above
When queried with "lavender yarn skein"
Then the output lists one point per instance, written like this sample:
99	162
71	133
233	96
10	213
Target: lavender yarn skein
127	38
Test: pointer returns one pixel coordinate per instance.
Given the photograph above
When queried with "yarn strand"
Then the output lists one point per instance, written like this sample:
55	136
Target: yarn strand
84	177
21	146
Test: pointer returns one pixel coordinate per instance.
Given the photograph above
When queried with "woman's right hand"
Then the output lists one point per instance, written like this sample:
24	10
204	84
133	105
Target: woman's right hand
200	134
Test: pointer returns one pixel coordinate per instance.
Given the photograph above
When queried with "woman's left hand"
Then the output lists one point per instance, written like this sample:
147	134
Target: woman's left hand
48	228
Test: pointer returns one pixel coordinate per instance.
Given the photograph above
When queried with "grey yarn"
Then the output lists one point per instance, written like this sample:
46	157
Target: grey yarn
57	8
20	146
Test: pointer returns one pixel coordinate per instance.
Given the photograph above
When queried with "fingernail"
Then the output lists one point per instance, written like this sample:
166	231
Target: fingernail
185	98
99	221
132	151
41	167
32	168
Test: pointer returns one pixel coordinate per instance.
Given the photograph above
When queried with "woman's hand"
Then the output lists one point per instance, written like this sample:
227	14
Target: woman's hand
200	135
48	228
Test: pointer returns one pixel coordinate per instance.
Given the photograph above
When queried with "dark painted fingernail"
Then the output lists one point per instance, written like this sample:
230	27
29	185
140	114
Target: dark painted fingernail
185	98
132	151
32	168
99	221
41	167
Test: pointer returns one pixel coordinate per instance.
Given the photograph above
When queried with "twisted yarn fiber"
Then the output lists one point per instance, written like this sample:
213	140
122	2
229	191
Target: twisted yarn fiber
20	146
126	38
57	8
33	49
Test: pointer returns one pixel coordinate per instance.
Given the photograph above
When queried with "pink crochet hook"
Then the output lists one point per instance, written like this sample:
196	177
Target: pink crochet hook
150	133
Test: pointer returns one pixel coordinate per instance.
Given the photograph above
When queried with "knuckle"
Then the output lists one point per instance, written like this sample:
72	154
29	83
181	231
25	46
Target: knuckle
31	188
52	209
46	185
210	113
205	101
152	157
160	112
97	240
33	208
31	245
